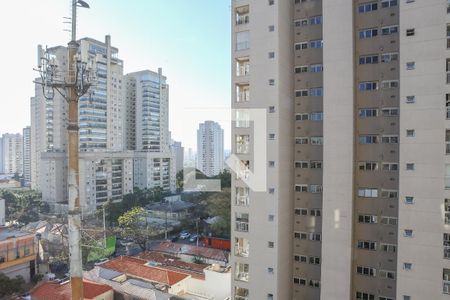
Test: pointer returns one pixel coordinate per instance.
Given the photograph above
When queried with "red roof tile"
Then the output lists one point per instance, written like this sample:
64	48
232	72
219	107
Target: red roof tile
136	267
62	291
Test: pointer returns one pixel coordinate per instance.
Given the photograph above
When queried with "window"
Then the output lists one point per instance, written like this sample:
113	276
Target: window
410	32
242	40
367	271
407	266
300	258
368	59
315	188
271	28
313	236
242	220
389	84
299	281
367	245
410	167
270	244
242	271
241	293
242	144
367	166
368	86
410	99
316	116
408	233
242	15
269	296
368	219
271	218
271	2
447	211
316	92
316	44
388	30
271	190
301	165
367	7
389	194
316	164
301	235
389	57
301	211
303	188
315	212
391	248
314	283
316	20
271	109
368	193
271	55
410	133
364	296
272	82
301	93
316	68
382	297
271	136
409	200
392	167
316	140
390	111
447	105
301	46
411	65
314	260
387	275
301	141
242	196
301	69
301	22
368	33
271	164
406	297
388	3
388	221
389	139
368	139
368	112
242	118
448	29
241	247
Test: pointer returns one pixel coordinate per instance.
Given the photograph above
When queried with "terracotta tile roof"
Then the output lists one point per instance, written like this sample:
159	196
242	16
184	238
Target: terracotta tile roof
62	291
136	267
177	249
174	263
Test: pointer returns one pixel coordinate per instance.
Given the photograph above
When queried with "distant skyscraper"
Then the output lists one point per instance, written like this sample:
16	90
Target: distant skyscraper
178	154
210	148
12	153
1	155
26	154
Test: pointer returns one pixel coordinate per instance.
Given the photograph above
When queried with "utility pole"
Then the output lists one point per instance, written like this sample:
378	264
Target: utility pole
71	87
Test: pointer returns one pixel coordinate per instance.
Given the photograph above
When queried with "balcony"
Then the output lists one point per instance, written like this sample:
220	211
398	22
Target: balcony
242	67
242	196
243	170
241	226
241	293
242	93
242	144
242	271
241	247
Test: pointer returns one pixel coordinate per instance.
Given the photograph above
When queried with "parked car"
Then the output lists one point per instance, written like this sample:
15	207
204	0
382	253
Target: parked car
184	235
194	238
100	261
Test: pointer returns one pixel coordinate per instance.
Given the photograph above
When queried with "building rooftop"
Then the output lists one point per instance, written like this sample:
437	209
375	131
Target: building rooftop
170	206
138	268
177	249
62	291
8	233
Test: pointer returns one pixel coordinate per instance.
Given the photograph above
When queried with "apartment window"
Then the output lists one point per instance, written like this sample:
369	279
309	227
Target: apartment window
388	3
391	248
406	297
447	211
301	93
367	7
315	212
447	176
388	221
303	188
368	33
301	69
242	144
407	266
392	167
242	220
368	139
242	15
301	141
271	136
316	20
242	271
242	40
410	32
446	281
448	32
301	46
301	211
317	116
271	109
271	28
316	92
316	68
301	235
364	296
241	247
271	2
313	236
271	55
446	244
271	218
447	141
411	65
388	30
385	298
389	139
316	164
410	99
448	70
447	105
389	84
368	219
299	281
409	200
386	274
366	271
300	23
314	283
269	296
368	86
271	164
242	118
241	293
367	245
368	112
390	111
367	166
316	44
242	196
408	233
389	194
368	59
242	93
270	244
300	258
368	193
271	190
301	165
389	57
410	167
410	133
272	82
316	140
315	188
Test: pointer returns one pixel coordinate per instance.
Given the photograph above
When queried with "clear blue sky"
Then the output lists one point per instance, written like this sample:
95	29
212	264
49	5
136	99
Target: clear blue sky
190	40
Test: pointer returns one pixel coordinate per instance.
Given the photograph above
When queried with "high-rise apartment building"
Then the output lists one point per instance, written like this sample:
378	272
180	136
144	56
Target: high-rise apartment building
210	148
12	153
178	154
357	96
26	154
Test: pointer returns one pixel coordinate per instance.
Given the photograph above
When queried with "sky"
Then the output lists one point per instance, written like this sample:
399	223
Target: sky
190	40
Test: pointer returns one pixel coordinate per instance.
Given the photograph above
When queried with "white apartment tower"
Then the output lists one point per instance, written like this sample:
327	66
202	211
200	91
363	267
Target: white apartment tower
210	148
12	153
357	94
26	154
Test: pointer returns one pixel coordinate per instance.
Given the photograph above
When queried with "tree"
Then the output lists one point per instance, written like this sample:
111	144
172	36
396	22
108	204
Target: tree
219	205
135	227
12	286
23	207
